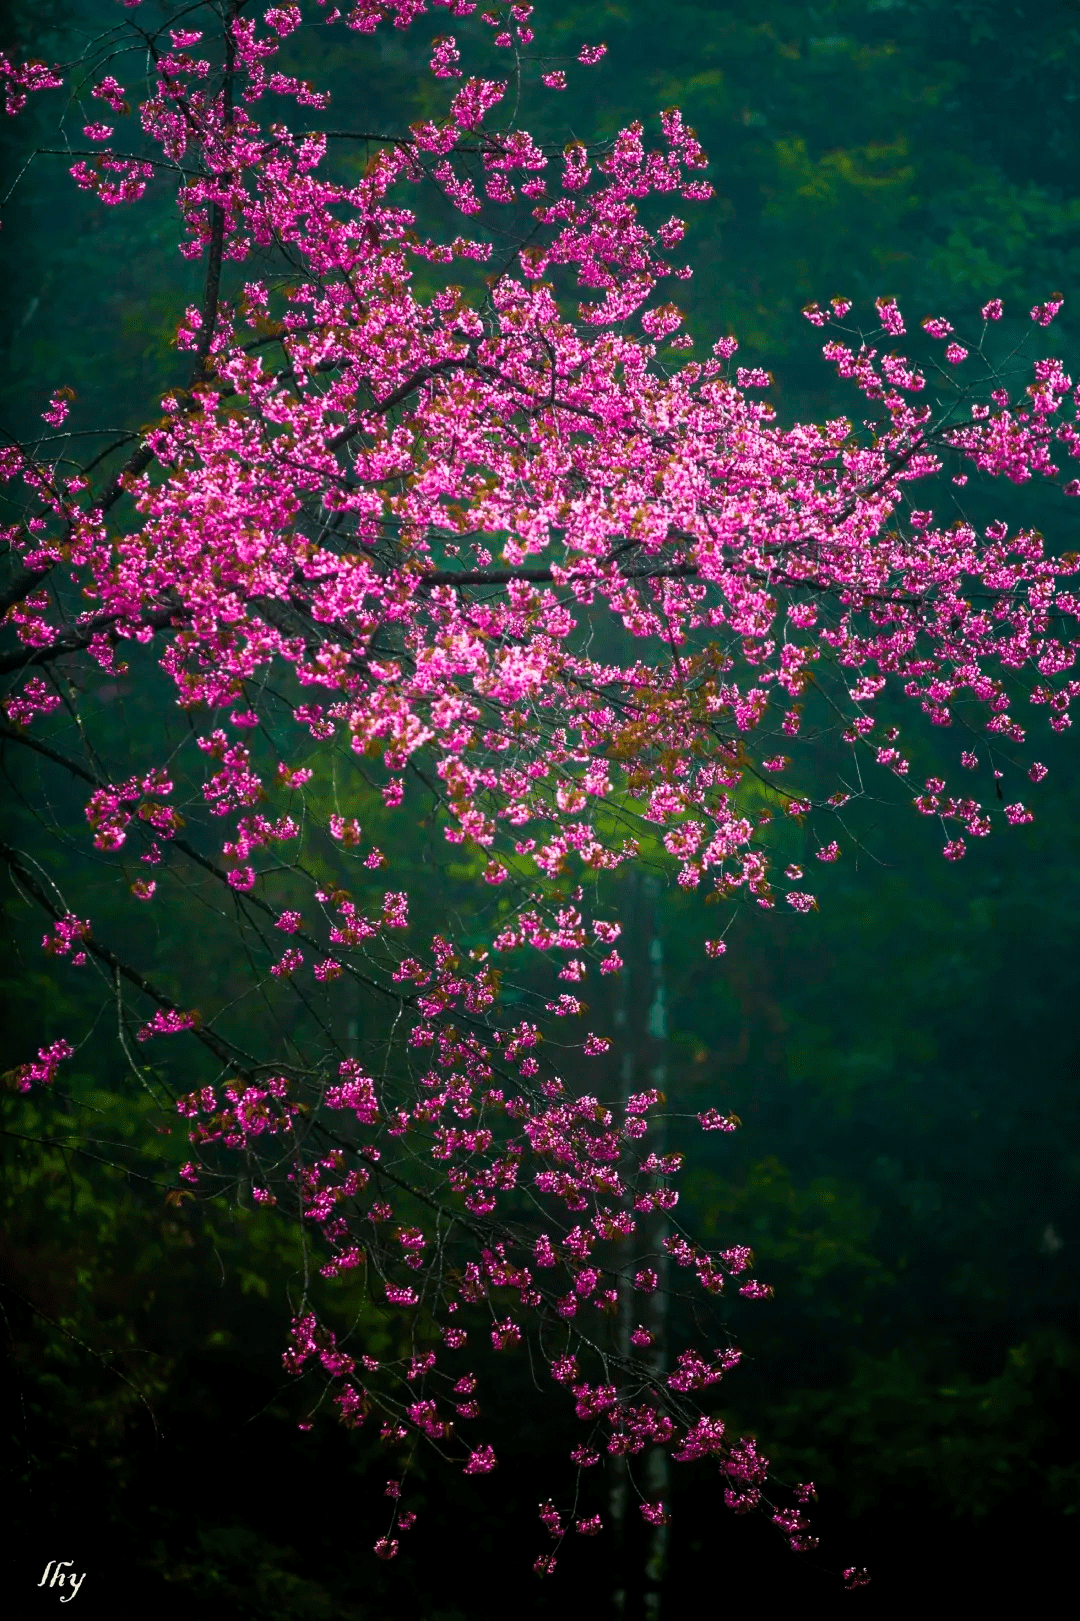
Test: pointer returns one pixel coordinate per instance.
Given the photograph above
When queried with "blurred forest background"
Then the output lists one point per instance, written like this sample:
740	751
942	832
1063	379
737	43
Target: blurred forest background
904	1060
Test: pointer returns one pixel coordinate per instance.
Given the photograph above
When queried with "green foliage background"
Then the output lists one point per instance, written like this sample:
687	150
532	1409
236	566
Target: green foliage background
904	1061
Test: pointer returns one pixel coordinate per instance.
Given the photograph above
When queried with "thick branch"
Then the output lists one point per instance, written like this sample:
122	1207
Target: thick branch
76	641
425	373
212	293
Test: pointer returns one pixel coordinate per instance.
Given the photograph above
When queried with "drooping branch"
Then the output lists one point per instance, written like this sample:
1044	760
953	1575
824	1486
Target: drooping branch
26	879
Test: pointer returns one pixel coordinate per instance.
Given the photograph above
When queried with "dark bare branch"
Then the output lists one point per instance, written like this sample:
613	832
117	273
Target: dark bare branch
222	1050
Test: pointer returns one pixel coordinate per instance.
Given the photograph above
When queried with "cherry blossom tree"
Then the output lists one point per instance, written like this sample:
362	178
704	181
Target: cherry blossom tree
446	531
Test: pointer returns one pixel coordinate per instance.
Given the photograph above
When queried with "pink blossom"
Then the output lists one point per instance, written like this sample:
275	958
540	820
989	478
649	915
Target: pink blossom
167	1022
36	698
59	406
289	962
1043	314
713	1120
65	939
42	1070
283	19
890	317
937	326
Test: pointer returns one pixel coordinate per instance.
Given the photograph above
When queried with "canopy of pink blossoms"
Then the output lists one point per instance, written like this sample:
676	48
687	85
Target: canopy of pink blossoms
481	520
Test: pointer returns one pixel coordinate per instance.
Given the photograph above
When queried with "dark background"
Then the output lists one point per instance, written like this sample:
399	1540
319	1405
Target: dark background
904	1060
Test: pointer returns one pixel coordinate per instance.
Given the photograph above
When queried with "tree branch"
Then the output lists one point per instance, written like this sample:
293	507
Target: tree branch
425	373
212	293
222	1050
541	575
76	641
